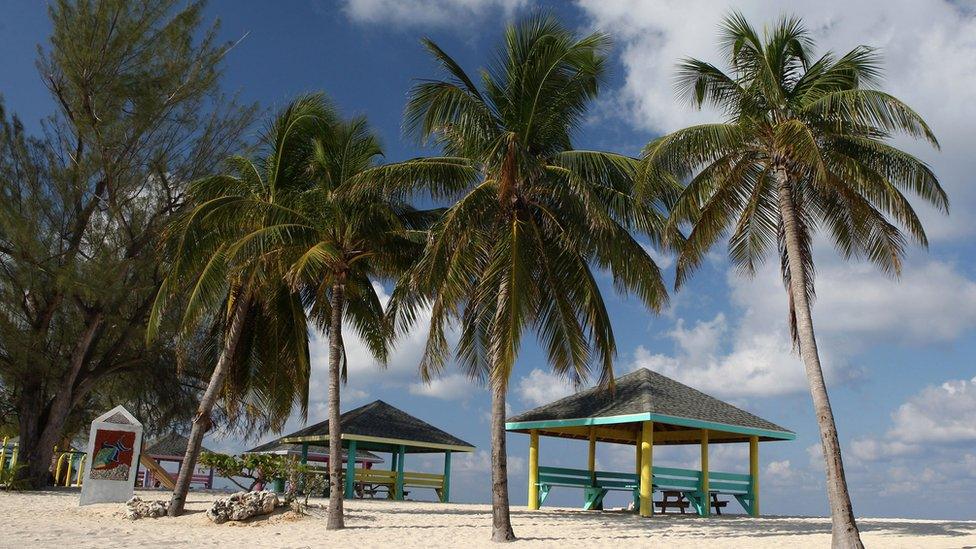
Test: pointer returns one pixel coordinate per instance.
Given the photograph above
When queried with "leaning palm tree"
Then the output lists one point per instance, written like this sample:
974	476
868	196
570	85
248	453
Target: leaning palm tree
533	219
340	237
232	287
804	144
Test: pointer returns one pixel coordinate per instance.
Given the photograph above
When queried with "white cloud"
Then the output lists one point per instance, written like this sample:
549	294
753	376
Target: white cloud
449	387
932	67
856	307
541	387
428	12
937	416
479	462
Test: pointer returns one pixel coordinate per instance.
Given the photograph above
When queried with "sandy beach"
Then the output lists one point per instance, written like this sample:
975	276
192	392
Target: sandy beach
53	519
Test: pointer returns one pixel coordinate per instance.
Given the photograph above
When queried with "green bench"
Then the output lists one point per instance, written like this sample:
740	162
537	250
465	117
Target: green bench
595	486
688	483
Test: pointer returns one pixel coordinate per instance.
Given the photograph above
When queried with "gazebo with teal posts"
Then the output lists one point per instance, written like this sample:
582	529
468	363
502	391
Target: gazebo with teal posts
646	409
379	427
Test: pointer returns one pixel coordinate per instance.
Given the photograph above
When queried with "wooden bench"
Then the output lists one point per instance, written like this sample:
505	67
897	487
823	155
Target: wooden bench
686	483
371	481
595	485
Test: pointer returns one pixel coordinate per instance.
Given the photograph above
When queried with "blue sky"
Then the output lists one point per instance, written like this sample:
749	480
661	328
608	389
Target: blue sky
898	354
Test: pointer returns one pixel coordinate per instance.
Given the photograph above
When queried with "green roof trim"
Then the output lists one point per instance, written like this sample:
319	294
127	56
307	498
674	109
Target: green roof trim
658	418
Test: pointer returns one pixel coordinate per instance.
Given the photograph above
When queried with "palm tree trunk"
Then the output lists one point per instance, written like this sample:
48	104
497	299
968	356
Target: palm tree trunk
501	521
845	533
201	421
335	520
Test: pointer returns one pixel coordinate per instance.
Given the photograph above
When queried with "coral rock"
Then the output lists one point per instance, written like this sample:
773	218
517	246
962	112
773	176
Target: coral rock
242	505
137	508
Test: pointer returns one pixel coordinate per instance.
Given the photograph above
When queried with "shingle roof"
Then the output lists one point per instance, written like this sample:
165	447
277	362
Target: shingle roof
278	447
173	444
380	420
644	391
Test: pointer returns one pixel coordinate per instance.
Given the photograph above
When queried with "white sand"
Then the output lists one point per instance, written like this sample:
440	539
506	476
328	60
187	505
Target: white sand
53	519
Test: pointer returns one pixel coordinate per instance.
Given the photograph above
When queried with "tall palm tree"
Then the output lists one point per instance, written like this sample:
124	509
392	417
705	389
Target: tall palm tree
534	217
234	283
340	237
804	145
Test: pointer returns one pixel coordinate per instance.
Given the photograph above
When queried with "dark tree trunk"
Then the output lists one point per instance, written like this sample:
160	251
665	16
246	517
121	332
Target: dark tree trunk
845	533
31	414
201	421
501	521
43	422
336	492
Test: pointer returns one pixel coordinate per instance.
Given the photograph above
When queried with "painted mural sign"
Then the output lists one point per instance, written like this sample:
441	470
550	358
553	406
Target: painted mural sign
113	455
114	443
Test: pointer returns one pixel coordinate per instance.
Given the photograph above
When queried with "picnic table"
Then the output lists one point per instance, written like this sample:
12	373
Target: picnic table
677	500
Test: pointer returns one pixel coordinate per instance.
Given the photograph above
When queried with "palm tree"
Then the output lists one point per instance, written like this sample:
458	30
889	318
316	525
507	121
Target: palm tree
804	145
232	281
534	216
341	236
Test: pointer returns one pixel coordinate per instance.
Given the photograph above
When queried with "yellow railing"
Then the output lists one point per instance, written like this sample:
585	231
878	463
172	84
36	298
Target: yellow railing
65	463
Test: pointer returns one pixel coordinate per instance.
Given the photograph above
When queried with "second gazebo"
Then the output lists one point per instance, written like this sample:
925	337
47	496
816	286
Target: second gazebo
379	427
645	410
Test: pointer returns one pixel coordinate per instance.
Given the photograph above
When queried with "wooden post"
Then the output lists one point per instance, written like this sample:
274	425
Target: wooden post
591	462
533	469
754	473
351	470
706	497
3	453
304	453
446	489
394	454
646	467
399	476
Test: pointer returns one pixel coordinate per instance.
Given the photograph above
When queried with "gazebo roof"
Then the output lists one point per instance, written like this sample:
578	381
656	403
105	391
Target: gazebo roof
644	395
381	427
315	452
172	445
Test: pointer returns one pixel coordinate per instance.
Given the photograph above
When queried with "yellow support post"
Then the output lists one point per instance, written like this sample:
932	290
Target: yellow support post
591	462
706	497
57	469
67	474
754	473
646	466
81	468
3	453
533	469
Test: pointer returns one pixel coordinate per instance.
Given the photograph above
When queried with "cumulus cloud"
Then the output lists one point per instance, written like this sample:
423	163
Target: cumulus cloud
449	387
936	416
427	12
541	387
930	66
856	307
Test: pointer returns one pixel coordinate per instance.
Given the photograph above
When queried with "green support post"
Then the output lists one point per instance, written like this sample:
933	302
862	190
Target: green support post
446	490
351	470
401	454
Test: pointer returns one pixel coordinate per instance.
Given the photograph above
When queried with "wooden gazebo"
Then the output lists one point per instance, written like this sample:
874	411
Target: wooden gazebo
379	427
647	409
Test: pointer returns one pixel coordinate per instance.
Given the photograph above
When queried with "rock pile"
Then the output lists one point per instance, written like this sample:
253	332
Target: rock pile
242	505
137	508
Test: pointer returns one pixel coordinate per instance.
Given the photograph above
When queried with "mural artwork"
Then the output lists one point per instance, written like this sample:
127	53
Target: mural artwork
113	455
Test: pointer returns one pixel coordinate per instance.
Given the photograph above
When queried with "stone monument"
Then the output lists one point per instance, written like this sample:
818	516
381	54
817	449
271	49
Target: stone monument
114	443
